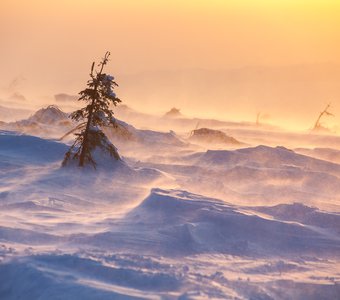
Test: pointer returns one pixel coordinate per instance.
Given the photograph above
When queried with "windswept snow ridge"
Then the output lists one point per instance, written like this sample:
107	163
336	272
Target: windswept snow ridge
172	220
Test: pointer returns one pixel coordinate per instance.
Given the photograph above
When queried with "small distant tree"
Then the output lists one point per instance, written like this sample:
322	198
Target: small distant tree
258	116
325	112
261	116
99	96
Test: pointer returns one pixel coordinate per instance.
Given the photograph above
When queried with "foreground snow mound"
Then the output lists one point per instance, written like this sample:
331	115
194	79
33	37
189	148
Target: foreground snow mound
33	180
122	276
26	149
30	149
70	278
175	222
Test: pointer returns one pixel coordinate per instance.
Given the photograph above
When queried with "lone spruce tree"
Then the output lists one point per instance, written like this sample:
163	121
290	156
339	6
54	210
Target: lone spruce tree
96	114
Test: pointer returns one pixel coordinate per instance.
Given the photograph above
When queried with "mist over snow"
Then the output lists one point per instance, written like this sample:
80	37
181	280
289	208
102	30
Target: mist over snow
195	209
207	167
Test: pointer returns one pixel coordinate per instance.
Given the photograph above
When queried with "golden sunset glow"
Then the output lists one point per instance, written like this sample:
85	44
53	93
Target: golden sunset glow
61	37
169	149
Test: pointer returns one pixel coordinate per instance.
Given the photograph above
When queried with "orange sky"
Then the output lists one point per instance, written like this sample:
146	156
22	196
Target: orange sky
61	38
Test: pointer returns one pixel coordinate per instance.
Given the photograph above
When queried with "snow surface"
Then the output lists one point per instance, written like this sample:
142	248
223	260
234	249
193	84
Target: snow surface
171	221
46	122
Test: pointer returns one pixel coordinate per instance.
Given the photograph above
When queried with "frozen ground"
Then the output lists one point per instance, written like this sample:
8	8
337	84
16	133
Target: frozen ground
174	220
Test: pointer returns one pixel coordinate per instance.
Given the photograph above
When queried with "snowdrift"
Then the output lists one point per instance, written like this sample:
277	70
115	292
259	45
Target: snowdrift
50	122
257	175
303	214
180	223
263	157
212	136
168	222
30	149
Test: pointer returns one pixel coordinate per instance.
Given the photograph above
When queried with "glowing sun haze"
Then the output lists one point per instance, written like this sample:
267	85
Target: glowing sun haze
281	57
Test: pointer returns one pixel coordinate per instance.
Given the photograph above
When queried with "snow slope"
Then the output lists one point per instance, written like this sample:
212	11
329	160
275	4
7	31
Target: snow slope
253	223
48	122
173	244
29	148
257	175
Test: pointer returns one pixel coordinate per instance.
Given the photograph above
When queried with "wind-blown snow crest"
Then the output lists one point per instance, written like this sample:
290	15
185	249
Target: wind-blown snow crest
173	244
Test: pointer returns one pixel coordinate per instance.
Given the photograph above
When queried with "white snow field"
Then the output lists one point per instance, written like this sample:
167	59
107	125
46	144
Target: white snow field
174	220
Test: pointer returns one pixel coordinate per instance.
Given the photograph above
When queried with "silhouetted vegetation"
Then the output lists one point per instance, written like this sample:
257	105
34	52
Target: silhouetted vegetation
99	96
318	125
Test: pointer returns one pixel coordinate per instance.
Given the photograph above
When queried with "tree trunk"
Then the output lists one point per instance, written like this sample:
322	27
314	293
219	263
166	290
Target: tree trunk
86	134
89	120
